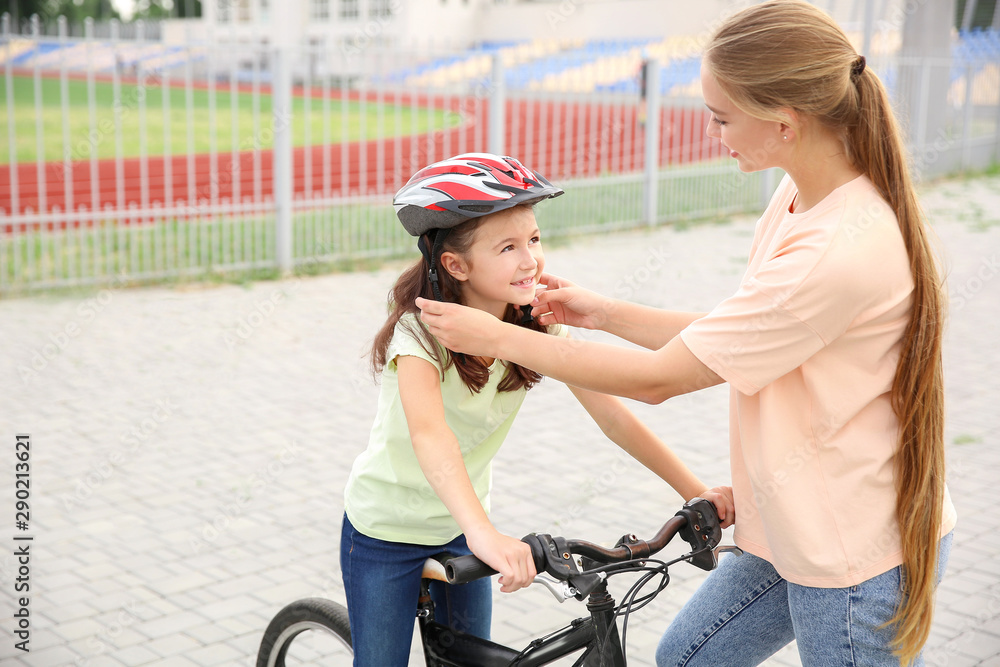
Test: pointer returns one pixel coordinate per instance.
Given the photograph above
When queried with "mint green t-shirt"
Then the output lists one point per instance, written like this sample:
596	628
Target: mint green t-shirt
387	495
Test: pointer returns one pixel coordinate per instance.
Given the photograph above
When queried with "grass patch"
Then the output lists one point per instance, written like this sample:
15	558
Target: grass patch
347	121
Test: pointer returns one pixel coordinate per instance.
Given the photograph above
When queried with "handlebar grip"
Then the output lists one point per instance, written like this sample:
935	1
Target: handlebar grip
702	531
463	569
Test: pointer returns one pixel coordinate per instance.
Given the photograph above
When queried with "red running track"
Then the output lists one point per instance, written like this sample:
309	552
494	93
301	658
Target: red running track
560	140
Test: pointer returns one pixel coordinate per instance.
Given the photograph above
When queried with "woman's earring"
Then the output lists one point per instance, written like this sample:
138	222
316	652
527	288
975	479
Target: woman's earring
785	137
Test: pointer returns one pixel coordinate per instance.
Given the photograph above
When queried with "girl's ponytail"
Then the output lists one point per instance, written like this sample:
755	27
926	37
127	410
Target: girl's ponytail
918	387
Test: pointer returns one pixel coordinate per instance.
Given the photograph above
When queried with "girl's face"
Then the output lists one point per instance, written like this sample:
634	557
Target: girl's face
503	265
755	144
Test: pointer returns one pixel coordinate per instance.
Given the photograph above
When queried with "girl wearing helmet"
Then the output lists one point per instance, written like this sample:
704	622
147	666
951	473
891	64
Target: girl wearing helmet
422	485
832	349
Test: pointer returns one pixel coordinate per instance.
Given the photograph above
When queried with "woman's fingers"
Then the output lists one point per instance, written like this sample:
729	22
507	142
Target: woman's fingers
553	282
430	308
722	498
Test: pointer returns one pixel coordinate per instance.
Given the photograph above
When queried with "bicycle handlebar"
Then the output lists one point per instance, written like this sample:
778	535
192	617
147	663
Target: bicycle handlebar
696	521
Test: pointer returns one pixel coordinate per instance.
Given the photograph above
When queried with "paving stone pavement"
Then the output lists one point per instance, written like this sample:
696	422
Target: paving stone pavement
190	447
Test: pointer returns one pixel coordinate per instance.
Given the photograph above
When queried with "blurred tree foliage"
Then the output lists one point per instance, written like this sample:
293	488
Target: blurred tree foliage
165	9
49	10
981	15
99	10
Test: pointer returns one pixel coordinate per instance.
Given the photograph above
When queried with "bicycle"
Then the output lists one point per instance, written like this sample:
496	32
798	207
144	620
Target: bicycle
597	635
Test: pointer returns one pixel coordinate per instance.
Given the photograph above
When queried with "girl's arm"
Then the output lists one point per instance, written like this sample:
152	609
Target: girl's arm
566	303
648	376
626	430
440	459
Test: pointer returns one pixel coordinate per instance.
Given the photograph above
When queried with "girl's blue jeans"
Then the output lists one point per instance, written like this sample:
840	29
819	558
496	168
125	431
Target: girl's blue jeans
744	612
382	583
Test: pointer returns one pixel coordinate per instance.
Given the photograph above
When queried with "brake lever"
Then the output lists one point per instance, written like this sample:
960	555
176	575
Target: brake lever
726	548
561	590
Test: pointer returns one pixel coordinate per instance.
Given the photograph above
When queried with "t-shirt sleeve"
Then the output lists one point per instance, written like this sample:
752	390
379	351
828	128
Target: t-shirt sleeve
405	343
800	298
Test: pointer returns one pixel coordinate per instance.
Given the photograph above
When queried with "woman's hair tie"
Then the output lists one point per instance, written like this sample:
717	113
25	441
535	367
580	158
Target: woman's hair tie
858	67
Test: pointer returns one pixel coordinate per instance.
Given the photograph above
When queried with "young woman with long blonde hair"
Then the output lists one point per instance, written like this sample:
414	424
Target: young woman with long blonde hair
832	349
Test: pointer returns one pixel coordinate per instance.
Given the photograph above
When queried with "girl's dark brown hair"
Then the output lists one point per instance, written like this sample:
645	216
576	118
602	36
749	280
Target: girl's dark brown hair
789	54
412	283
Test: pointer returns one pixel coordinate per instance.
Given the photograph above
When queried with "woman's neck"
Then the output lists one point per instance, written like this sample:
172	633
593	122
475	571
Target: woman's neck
819	167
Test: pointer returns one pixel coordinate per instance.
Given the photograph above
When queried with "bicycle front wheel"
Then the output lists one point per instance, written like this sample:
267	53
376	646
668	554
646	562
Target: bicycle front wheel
311	631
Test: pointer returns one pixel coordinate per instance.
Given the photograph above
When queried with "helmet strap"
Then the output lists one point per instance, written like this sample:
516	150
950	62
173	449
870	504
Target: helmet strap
435	238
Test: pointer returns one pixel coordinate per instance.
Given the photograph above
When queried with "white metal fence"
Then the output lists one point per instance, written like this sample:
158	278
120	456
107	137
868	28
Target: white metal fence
135	160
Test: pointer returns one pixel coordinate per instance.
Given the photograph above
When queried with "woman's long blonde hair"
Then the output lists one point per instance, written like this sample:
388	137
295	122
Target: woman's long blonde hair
789	54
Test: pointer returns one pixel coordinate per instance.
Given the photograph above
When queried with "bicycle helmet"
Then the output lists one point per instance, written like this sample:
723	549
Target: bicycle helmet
445	194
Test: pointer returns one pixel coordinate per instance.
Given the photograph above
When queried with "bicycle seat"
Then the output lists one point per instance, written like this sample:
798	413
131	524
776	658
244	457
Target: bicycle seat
434	568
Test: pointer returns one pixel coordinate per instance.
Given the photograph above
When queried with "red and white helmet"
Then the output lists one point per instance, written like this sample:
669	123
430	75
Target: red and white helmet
447	193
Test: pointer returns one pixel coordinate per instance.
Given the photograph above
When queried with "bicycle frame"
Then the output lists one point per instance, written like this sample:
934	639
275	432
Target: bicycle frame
445	647
598	635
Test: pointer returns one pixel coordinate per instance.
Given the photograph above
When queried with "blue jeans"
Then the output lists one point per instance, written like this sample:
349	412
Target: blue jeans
745	612
382	583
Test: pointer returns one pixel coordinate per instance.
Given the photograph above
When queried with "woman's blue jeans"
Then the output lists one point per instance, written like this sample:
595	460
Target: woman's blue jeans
745	612
382	583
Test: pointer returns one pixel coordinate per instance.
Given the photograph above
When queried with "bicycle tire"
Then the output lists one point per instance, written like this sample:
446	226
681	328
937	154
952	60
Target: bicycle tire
317	614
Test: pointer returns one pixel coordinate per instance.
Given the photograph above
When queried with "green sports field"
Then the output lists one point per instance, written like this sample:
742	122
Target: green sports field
352	120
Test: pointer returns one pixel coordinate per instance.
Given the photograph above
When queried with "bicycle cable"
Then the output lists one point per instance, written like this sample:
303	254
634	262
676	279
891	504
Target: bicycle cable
661	567
649	572
630	603
535	643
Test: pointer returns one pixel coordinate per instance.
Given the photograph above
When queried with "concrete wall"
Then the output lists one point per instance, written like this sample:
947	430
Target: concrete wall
464	22
440	22
604	19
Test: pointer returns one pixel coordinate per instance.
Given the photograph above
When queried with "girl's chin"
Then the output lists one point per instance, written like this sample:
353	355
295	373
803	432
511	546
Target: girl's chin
524	299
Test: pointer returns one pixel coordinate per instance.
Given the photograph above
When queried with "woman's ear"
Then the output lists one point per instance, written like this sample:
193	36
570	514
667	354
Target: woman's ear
788	127
455	265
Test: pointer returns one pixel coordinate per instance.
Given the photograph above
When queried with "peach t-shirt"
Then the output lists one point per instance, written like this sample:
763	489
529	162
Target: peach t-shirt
809	345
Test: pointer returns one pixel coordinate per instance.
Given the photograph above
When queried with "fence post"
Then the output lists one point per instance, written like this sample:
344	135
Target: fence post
866	44
498	102
15	204
281	82
36	38
651	149
996	131
967	119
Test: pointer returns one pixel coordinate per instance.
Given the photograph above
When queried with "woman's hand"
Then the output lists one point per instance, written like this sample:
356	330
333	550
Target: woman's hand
725	505
563	302
508	556
460	328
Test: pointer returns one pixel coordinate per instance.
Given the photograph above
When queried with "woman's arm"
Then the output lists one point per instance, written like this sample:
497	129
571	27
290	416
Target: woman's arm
648	376
626	430
440	459
563	302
